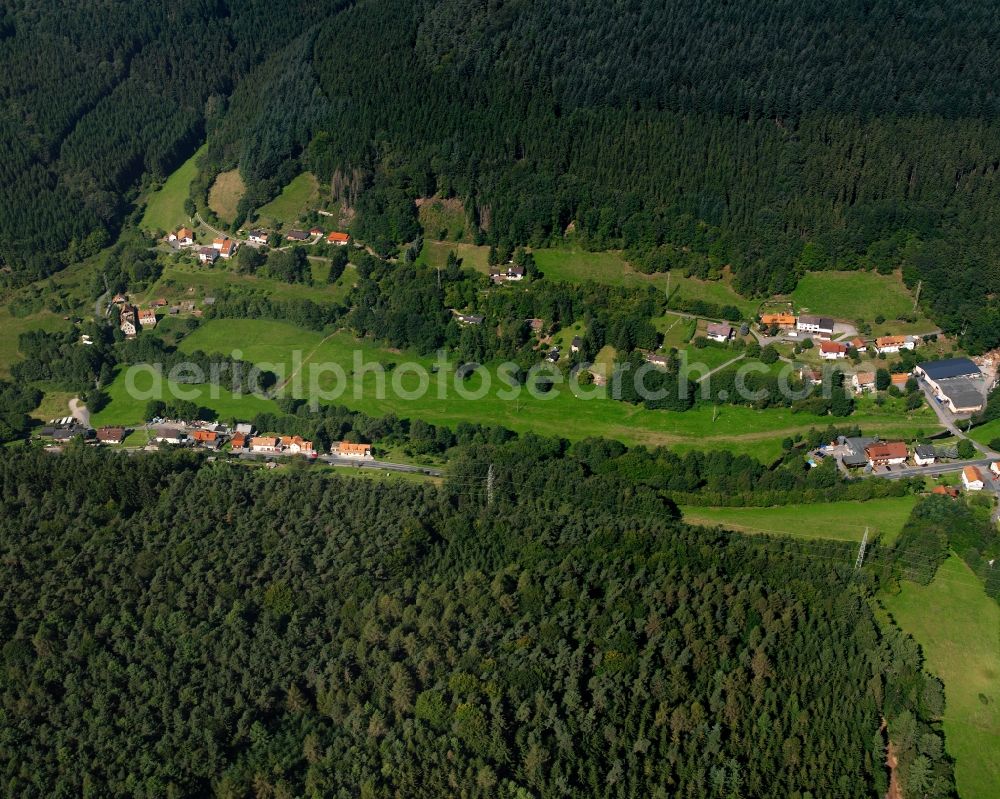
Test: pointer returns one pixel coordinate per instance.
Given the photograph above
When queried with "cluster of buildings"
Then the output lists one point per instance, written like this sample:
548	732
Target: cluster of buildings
507	273
955	382
223	247
132	319
860	452
818	326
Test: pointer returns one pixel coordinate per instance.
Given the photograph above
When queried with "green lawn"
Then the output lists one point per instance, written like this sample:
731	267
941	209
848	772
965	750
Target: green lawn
857	295
984	433
177	279
841	521
297	198
11	328
437	215
435	253
608	267
758	433
165	207
958	628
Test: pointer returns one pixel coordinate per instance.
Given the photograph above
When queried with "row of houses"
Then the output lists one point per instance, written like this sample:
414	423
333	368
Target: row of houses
861	451
820	326
225	247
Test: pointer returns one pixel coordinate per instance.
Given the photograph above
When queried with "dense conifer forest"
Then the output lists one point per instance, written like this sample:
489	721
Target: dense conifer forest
178	628
774	137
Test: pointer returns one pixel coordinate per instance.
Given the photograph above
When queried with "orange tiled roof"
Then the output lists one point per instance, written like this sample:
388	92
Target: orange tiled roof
886	451
348	447
336	237
778	319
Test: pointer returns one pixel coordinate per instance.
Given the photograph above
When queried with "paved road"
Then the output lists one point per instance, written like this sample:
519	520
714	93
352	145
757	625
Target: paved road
935	469
947	418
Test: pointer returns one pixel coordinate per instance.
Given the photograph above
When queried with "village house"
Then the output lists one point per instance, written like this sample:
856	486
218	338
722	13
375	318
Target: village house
147	317
348	449
208	255
297	235
245	428
111	435
995	468
226	247
183	237
338	238
553	355
832	350
886	453
296	445
947	491
863	381
859	344
469	319
169	435
257	237
783	321
719	331
810	376
822	326
972	479
511	272
924	455
889	345
209	439
315	232
576	345
128	321
238	441
899	380
657	360
266	444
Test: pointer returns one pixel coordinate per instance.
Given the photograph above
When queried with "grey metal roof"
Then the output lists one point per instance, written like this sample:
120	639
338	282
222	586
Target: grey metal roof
925	451
963	392
949	367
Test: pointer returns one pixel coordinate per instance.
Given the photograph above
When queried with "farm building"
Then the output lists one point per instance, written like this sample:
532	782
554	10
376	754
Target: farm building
820	325
956	382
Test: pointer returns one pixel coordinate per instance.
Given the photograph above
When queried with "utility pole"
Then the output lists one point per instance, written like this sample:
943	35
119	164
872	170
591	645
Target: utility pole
861	551
489	486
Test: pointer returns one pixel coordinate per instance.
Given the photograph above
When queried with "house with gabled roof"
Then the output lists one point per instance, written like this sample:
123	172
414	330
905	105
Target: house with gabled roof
338	238
348	449
972	479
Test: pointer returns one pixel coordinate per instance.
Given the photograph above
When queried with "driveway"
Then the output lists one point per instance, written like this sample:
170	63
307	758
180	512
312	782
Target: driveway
79	412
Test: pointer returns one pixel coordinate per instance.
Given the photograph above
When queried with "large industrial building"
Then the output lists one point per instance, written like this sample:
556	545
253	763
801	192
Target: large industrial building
956	382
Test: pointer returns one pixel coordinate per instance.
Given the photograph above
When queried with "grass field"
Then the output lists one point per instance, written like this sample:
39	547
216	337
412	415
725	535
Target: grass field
11	328
840	521
758	433
984	433
177	280
165	207
579	266
437	215
958	628
225	194
294	201
857	295
54	405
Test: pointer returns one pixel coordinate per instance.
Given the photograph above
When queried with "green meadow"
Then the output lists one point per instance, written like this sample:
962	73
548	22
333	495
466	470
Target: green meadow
194	281
573	265
958	628
295	200
301	356
859	295
165	206
840	521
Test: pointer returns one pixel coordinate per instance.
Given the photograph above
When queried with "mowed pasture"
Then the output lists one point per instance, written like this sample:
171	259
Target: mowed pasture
858	295
294	201
838	521
301	357
225	194
191	282
958	628
608	267
165	206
